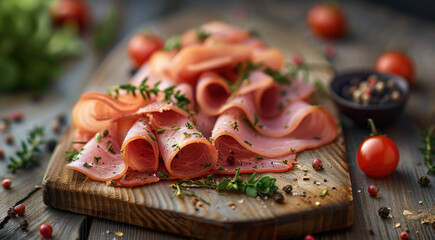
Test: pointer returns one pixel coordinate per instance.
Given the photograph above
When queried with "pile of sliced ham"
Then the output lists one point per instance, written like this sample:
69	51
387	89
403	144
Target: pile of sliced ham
211	106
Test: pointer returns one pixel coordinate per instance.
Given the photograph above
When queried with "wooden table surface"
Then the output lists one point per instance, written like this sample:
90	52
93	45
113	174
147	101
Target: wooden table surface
373	29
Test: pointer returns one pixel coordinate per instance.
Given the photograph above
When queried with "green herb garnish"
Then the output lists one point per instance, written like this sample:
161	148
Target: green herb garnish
152	137
86	165
176	146
98	137
324	192
160	131
25	157
97	159
428	150
207	165
235	125
259	157
173	43
250	144
162	175
201	35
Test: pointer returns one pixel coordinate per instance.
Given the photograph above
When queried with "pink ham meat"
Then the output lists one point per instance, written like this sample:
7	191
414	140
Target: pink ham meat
272	100
193	60
133	178
185	151
314	127
98	160
139	149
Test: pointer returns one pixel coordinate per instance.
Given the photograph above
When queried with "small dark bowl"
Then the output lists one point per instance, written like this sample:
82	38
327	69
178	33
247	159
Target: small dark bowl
381	114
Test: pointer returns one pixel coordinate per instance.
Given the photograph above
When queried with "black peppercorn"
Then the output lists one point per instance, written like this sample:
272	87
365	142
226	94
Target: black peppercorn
12	213
24	224
51	145
231	160
287	188
133	71
424	181
384	212
278	197
9	139
61	118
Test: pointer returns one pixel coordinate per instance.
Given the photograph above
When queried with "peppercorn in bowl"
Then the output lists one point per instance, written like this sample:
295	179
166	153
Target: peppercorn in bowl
368	94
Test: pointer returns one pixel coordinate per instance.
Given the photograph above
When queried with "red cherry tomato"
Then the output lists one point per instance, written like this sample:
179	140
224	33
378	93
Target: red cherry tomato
45	230
395	62
327	21
377	156
70	12
141	46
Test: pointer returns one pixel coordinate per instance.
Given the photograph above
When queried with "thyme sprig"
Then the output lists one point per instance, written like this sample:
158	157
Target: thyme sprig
25	157
428	150
254	187
146	92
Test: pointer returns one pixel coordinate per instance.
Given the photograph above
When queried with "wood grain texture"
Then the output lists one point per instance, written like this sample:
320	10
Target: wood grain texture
154	207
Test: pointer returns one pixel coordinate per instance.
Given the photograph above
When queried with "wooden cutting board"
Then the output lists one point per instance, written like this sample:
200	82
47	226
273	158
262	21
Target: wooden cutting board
153	206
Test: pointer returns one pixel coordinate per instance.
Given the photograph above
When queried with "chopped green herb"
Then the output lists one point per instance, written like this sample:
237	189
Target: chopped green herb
258	157
187	134
97	159
280	106
324	192
207	165
250	144
86	165
105	133
152	137
235	125
255	167
285	126
175	128
78	142
162	175
278	76
189	125
197	134
428	150
292	150
176	146
285	161
160	131
98	137
109	147
221	169
317	138
246	120
72	156
112	182
261	126
201	35
255	119
173	43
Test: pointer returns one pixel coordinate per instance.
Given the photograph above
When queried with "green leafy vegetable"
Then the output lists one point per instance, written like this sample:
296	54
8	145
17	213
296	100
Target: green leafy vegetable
31	48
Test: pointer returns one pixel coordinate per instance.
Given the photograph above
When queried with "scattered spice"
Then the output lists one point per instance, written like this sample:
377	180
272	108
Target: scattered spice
16	116
51	145
397	225
317	164
119	234
407	213
324	192
317	203
45	230
235	125
278	197
404	235
384	212
424	181
24	224
305	178
4	125
287	188
374	191
6	184
12	213
9	139
371	232
20	209
56	127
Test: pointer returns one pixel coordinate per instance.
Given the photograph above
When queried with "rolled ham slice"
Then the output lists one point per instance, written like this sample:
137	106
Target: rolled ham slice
185	151
139	149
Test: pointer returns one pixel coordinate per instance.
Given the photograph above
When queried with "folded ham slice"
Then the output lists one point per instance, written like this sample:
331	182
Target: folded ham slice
100	158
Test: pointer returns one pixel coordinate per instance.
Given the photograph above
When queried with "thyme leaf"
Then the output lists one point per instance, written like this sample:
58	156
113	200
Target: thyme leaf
25	157
428	150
